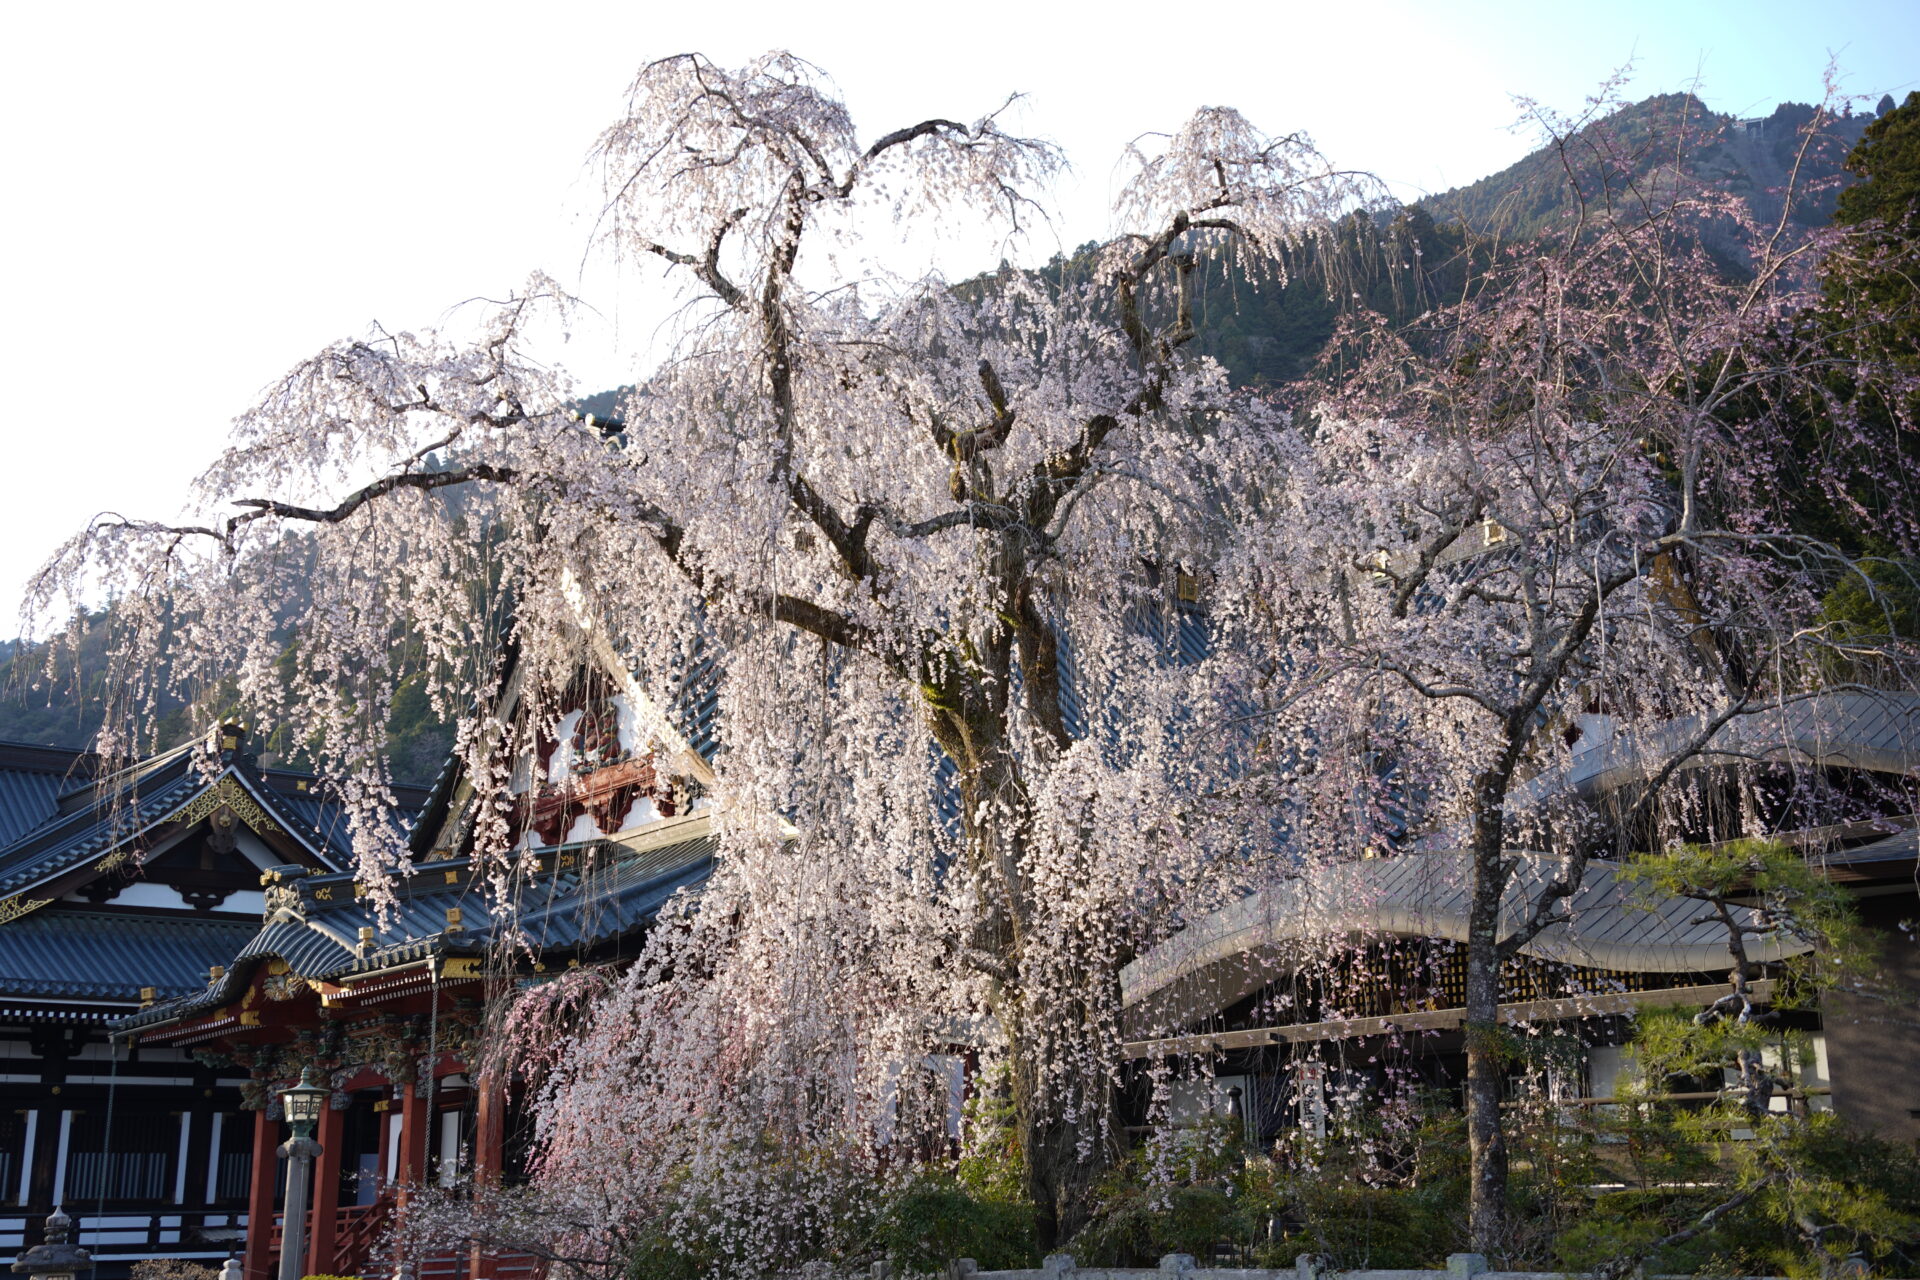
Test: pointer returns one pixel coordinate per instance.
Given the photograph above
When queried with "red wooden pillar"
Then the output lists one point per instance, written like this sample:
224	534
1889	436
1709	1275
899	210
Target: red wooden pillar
326	1192
414	1126
260	1261
489	1129
489	1154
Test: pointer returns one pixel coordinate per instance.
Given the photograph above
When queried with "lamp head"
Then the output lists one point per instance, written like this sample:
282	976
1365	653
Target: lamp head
303	1103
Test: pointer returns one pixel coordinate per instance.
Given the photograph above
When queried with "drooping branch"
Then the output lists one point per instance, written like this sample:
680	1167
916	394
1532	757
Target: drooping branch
898	138
706	266
1545	912
426	481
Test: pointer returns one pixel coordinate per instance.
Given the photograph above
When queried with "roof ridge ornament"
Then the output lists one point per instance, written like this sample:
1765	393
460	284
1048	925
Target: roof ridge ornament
228	793
283	898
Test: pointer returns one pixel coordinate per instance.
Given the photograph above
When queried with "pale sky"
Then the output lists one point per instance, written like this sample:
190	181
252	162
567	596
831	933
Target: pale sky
200	195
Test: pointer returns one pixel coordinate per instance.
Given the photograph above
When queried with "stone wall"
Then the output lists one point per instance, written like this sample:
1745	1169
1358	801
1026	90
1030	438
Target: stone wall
1180	1266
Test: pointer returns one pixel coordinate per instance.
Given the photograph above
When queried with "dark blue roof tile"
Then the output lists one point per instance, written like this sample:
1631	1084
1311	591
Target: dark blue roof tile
604	892
27	799
57	953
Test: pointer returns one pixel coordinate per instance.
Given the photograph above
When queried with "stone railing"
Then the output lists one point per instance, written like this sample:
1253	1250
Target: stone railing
1181	1266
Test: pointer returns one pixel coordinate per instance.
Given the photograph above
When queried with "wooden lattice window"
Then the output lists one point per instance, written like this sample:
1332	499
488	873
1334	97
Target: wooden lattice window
135	1162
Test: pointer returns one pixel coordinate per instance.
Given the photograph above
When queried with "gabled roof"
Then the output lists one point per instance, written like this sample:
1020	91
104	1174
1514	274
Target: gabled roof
692	714
61	826
81	832
95	828
581	898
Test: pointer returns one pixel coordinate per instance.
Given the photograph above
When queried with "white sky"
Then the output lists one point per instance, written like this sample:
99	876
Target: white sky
199	195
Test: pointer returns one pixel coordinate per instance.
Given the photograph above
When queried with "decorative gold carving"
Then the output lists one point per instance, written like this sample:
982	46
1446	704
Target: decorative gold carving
461	967
228	794
19	905
282	986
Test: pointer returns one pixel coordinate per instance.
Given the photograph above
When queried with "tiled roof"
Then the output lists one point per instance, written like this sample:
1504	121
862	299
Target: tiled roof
1618	924
1901	846
695	710
1851	729
322	820
28	797
51	825
587	896
1177	633
101	955
85	832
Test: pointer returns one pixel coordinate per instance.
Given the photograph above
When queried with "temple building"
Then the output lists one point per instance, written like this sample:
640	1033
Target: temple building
388	1007
118	891
262	957
1835	776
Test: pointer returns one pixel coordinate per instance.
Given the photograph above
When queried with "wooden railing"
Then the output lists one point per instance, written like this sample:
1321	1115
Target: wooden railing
360	1230
449	1266
357	1230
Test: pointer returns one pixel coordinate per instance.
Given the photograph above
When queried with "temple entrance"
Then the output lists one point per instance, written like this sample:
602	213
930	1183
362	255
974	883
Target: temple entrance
362	1139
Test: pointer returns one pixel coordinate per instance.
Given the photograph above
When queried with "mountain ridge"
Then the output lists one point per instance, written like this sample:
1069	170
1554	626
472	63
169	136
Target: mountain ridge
1265	334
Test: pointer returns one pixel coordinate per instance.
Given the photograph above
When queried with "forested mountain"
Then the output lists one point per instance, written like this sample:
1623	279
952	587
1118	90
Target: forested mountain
62	704
1756	159
1266	331
1402	264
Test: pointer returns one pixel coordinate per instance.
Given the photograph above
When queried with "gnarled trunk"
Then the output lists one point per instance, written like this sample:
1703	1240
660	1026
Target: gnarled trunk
1066	1155
1069	1138
1486	1058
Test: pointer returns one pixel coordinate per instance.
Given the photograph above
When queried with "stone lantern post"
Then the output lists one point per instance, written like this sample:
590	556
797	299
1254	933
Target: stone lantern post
55	1259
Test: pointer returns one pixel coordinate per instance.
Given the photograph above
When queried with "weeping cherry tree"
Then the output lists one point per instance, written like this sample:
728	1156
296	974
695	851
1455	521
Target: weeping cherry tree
902	515
1599	503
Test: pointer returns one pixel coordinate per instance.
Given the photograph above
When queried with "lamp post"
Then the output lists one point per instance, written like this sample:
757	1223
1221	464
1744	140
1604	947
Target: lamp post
302	1104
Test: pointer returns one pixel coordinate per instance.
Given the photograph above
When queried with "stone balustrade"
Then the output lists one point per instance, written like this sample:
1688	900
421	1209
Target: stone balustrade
1181	1266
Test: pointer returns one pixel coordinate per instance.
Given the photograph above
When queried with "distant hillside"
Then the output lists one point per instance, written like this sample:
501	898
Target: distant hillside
59	709
63	706
1400	266
1752	158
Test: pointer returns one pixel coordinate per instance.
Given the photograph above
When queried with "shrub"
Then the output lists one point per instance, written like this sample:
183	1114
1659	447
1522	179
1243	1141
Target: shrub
938	1217
177	1269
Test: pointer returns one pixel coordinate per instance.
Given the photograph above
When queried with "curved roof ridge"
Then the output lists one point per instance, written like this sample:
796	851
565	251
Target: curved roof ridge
1238	948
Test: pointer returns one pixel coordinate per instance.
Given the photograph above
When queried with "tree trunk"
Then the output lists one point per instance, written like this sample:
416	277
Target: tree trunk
1068	1139
1486	1056
1486	1073
1060	1176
